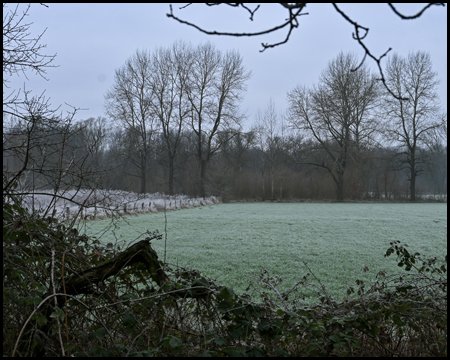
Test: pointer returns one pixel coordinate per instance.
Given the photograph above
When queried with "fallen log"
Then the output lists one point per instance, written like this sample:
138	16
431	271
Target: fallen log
140	252
83	282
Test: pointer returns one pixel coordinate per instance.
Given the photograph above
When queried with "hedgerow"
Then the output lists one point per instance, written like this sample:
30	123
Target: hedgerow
55	303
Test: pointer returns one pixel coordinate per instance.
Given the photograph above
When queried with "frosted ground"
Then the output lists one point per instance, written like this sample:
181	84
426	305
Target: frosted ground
229	242
100	203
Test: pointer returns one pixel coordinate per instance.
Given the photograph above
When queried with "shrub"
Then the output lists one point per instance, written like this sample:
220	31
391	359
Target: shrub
185	313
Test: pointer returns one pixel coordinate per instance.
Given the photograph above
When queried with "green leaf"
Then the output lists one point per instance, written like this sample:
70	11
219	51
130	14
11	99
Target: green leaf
254	351
129	320
57	313
201	282
336	338
41	320
175	342
220	341
226	294
38	286
280	351
208	354
100	333
236	331
231	351
127	297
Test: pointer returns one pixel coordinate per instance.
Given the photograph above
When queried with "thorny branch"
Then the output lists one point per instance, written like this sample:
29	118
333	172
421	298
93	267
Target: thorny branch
291	21
295	10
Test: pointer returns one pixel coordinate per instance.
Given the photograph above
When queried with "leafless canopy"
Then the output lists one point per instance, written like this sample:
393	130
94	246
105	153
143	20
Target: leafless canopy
294	11
21	51
338	114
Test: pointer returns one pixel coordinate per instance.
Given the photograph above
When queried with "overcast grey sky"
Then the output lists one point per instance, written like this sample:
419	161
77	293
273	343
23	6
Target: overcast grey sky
93	40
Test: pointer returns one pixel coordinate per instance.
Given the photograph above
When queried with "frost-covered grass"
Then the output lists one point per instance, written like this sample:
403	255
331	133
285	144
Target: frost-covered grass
229	241
101	203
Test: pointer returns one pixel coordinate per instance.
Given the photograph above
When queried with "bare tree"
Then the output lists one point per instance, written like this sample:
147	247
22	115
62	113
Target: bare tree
437	166
336	115
129	102
93	135
22	52
236	150
267	128
215	87
170	74
293	13
412	120
38	144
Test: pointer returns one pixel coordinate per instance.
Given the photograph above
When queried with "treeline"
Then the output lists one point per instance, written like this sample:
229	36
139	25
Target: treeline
91	154
174	127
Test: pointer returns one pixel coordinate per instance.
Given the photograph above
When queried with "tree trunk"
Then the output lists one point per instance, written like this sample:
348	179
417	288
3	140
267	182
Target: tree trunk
412	176
271	180
143	173
340	188
171	174
281	188
412	183
202	178
263	189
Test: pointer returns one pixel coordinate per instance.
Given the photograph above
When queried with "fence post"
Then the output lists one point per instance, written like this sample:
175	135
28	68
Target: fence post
67	212
125	208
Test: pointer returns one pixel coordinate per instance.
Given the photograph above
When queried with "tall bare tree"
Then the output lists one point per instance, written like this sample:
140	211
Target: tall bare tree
216	84
170	75
268	128
336	115
416	110
129	102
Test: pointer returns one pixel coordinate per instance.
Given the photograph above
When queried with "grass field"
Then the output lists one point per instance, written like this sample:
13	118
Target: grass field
229	242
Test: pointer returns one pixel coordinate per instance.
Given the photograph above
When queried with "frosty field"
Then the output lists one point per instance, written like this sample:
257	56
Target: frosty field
229	242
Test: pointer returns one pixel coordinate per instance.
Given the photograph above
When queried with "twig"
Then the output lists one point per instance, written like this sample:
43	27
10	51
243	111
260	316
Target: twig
56	303
165	232
279	295
65	301
321	285
291	21
37	308
360	38
405	17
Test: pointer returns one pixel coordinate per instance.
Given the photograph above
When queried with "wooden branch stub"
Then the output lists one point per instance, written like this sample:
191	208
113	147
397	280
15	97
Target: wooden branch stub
140	252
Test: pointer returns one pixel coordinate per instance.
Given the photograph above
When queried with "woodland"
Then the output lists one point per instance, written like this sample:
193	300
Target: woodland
174	127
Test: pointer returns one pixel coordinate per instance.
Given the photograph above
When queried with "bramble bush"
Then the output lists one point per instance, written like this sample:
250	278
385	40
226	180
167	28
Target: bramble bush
128	314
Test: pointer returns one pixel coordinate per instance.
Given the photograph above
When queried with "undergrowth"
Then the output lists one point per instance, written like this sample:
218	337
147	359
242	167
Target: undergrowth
130	315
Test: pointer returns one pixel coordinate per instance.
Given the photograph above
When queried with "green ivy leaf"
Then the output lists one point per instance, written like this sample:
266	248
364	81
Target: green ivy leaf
129	320
100	333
